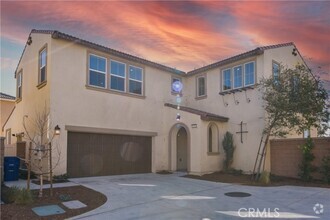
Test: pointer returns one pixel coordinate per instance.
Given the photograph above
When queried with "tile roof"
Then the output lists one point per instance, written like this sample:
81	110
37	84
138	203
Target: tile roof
60	35
205	116
257	51
6	96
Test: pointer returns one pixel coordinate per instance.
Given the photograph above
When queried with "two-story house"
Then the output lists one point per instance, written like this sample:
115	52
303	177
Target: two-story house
119	113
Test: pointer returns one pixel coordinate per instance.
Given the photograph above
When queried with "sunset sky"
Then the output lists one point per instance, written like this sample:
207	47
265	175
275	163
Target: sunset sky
184	35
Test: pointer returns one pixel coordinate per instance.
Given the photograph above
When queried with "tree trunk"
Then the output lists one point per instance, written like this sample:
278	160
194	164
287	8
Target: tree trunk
29	167
50	169
41	185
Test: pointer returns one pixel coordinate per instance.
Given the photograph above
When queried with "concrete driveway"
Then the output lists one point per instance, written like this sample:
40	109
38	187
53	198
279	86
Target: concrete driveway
154	196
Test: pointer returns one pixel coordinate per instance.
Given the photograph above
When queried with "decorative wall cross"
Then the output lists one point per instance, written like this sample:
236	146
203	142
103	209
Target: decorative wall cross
241	131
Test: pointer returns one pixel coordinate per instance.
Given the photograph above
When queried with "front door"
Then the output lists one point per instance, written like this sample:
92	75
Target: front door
181	145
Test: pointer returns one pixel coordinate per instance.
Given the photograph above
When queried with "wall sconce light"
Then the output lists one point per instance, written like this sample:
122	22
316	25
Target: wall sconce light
57	130
294	52
29	41
178	117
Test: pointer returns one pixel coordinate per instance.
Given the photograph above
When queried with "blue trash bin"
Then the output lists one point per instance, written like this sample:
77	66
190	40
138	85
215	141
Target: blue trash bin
11	168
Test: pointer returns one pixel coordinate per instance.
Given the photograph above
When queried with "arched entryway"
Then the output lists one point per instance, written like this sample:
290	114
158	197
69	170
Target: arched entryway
179	149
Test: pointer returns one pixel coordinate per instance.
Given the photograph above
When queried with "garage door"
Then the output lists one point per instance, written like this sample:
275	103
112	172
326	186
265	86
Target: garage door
107	154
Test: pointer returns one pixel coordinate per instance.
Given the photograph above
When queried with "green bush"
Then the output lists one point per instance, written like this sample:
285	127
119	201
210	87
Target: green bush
306	168
17	195
60	177
228	146
9	194
264	178
23	197
325	169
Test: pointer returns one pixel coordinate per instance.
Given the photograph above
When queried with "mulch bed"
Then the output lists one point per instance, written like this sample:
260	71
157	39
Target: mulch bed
85	195
243	179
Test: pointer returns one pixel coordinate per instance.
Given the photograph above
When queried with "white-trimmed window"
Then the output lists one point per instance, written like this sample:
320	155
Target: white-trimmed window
97	71
117	76
276	71
238	77
226	79
19	84
8	136
201	86
135	80
249	73
42	65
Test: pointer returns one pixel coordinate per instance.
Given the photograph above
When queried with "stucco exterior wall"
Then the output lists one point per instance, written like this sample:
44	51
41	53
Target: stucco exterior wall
33	99
73	103
6	107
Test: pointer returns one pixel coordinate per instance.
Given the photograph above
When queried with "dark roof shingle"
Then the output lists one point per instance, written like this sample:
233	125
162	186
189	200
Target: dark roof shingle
257	51
205	116
60	35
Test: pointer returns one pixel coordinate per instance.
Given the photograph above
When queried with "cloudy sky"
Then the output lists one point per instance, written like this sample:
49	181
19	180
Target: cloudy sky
184	35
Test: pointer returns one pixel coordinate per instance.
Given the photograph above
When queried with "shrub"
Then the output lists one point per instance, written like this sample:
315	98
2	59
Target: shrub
9	194
306	168
264	178
325	169
23	196
61	177
17	195
228	146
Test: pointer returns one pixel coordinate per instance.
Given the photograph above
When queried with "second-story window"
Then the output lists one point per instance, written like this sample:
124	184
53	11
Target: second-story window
276	71
117	76
19	85
226	80
238	77
249	74
201	86
43	65
135	80
97	71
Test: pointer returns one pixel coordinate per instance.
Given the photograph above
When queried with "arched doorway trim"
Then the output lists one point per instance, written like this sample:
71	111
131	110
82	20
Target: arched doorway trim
172	163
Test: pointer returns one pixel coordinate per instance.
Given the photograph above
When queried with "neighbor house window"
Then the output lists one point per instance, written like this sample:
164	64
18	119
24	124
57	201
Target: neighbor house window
226	79
201	86
249	74
117	75
97	71
213	139
8	136
42	65
307	133
19	85
173	81
238	77
276	71
135	80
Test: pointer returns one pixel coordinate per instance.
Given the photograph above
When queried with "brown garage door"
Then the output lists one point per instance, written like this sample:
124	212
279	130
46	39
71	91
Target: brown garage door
107	154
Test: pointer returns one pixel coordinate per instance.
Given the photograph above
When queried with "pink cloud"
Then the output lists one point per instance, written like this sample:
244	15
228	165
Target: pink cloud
165	33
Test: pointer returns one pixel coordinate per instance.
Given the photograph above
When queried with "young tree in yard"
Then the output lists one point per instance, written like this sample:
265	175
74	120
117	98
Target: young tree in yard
40	132
294	102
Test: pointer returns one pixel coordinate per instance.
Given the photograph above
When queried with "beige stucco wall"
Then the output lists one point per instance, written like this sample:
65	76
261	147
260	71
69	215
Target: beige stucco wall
33	99
6	107
250	113
74	104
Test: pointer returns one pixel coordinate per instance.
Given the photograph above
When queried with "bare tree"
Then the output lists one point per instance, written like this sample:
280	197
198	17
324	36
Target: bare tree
39	131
